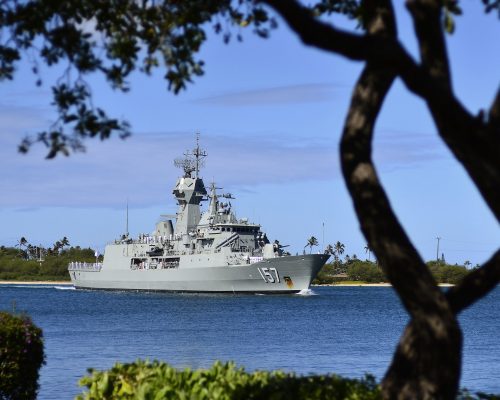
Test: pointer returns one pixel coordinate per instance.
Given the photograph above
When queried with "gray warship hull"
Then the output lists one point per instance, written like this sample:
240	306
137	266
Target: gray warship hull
208	250
289	274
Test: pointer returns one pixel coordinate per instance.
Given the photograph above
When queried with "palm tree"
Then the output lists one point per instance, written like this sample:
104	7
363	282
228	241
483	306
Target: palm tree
329	249
31	250
339	248
22	243
56	246
64	242
369	251
312	241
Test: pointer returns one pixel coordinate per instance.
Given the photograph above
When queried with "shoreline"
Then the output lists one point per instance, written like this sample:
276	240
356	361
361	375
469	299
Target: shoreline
36	283
372	284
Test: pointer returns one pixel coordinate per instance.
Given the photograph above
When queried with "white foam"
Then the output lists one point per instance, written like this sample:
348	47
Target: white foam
64	287
307	292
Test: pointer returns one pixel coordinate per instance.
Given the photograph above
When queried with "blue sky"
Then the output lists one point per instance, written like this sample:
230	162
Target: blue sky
270	114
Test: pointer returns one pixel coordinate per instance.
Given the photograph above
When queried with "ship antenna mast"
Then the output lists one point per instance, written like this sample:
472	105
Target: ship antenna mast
196	153
126	226
193	160
199	155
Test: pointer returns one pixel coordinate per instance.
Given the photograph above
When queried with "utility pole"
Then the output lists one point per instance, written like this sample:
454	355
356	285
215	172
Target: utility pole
437	251
40	260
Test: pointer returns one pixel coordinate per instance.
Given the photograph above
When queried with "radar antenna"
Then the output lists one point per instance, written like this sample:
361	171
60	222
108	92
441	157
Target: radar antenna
193	160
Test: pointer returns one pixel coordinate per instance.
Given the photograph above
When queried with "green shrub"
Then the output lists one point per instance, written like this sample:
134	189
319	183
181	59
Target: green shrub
365	271
21	356
53	267
445	273
325	275
28	268
157	380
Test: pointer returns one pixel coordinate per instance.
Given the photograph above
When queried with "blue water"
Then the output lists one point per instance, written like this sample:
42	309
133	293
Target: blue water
345	330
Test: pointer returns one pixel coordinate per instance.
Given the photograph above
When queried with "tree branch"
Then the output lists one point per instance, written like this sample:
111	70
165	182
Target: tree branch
398	257
476	284
401	262
494	114
315	33
379	49
472	141
428	28
469	138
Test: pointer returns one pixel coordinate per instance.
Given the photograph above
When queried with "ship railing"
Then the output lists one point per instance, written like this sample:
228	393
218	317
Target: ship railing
84	266
160	265
152	240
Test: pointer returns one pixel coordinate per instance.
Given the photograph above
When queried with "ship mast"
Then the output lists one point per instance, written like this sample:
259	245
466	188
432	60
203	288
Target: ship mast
126	225
189	190
199	155
192	161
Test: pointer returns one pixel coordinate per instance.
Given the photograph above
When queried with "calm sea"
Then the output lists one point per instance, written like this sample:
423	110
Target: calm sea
345	330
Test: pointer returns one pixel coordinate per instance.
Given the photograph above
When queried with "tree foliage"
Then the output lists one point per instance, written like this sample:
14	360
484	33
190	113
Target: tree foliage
112	39
445	273
365	271
53	267
311	242
21	356
157	380
370	272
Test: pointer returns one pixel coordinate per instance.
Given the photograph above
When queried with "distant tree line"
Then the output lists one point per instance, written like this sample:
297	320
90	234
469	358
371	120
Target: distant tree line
30	251
26	261
351	268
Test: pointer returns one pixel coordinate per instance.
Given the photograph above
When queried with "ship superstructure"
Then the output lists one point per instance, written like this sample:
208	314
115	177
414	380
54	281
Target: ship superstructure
191	251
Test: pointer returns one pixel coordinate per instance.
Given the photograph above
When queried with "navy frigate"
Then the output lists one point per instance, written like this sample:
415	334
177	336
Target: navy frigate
210	251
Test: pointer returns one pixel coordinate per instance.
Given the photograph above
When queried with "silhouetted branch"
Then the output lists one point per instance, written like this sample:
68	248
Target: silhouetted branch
398	257
384	50
476	284
494	114
475	146
315	33
401	262
428	28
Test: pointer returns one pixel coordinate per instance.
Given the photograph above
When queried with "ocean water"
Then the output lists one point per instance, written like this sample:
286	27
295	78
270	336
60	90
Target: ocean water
345	330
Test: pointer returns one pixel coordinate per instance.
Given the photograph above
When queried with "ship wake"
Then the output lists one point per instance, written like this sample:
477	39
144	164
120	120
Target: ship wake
64	287
306	292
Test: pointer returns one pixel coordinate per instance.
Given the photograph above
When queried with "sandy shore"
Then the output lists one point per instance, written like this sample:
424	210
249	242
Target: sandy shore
35	283
374	284
354	284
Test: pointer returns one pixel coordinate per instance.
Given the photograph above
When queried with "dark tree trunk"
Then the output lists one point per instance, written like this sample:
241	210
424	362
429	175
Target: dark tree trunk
427	361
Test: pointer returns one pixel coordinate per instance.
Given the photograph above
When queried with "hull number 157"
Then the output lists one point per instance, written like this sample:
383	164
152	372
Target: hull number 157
270	275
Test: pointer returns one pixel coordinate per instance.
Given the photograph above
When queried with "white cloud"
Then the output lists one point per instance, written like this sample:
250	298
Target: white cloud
402	149
293	94
16	120
141	168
